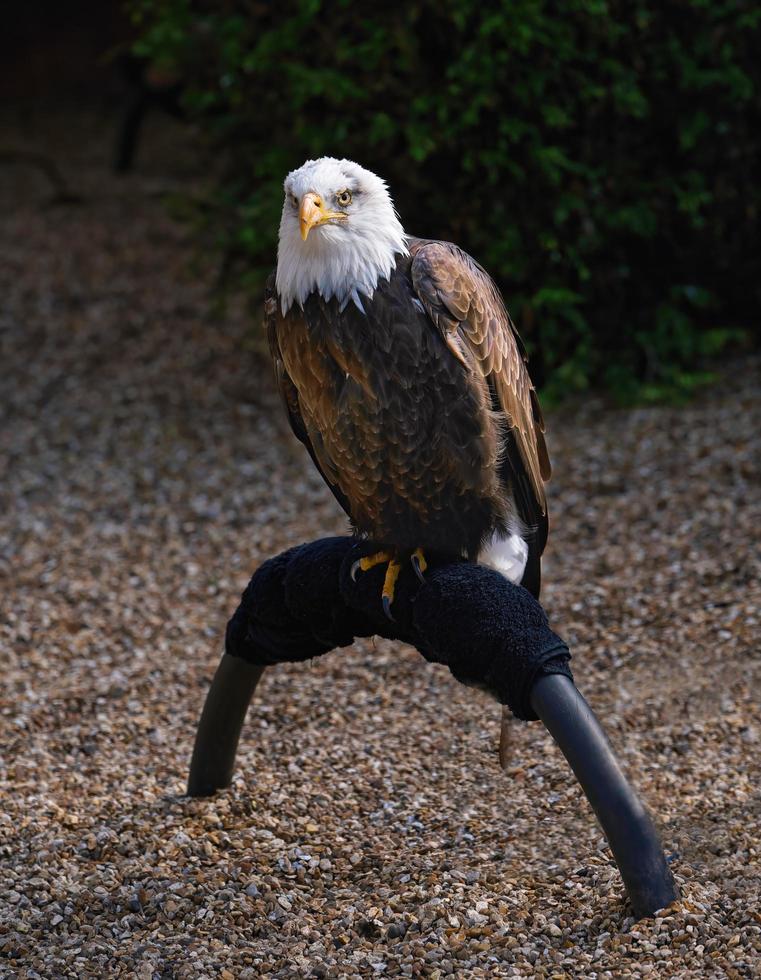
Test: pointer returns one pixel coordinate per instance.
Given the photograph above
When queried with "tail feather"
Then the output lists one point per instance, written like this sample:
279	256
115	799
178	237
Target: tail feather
506	553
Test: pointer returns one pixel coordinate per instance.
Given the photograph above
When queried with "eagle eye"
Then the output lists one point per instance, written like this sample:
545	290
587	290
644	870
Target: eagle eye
294	200
344	198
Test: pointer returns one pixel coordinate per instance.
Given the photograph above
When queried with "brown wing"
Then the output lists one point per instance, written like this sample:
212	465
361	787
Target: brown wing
290	395
463	302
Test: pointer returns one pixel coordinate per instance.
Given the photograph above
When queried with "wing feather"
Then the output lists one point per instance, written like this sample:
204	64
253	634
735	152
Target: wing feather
464	303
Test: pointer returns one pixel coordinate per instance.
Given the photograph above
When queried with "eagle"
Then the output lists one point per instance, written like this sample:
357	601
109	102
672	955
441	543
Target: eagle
403	376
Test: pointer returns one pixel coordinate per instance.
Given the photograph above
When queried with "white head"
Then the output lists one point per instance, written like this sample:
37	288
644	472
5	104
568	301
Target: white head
339	233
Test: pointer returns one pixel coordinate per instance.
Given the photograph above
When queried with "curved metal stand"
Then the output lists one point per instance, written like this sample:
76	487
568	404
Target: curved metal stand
624	820
569	719
224	712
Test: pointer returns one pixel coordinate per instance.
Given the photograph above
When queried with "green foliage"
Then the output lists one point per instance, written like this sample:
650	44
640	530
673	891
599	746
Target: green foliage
597	156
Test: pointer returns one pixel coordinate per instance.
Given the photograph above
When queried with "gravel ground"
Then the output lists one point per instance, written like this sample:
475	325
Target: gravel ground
146	471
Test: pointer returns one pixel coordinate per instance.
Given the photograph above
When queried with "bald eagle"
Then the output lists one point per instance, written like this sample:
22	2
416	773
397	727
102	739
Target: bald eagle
402	374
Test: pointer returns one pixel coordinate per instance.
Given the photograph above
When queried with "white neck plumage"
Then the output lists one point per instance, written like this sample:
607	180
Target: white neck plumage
343	261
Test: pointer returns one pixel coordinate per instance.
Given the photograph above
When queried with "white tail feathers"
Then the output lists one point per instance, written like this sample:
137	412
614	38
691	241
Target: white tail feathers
506	554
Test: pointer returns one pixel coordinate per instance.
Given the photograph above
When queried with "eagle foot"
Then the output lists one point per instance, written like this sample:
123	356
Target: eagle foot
417	560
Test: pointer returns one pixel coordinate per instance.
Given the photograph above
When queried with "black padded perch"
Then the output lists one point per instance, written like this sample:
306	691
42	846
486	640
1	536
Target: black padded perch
304	603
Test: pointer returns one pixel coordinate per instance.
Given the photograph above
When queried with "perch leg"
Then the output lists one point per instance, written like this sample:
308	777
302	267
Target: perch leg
220	726
624	820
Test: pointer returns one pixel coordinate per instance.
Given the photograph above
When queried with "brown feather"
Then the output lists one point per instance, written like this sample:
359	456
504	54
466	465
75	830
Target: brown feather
464	303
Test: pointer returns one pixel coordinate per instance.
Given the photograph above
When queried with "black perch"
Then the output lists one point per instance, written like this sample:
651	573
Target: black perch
304	603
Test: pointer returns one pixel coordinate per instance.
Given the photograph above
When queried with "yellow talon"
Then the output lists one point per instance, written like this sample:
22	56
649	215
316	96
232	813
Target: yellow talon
419	563
370	561
389	584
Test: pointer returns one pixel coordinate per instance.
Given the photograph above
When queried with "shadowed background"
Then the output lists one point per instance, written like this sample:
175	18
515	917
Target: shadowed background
597	157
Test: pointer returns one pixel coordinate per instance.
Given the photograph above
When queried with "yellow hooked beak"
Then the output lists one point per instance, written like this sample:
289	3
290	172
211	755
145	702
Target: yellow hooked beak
313	213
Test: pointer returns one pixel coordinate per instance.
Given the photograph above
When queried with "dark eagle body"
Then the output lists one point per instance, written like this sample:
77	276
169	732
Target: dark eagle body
418	412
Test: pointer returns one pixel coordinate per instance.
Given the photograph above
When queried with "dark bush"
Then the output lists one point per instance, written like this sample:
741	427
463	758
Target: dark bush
599	158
